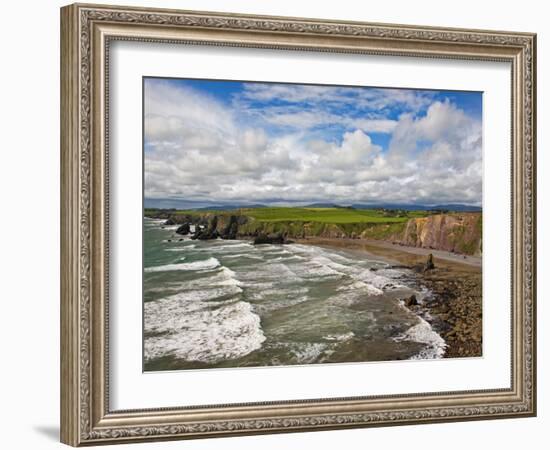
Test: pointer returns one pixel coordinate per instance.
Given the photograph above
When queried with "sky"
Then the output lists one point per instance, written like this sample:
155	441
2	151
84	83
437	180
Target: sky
231	142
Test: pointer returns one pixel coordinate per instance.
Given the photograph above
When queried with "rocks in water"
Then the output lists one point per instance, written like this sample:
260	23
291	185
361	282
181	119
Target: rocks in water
207	233
274	238
411	301
184	229
197	233
169	221
429	263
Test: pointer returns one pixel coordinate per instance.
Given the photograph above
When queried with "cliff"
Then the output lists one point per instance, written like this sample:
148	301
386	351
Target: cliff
460	233
453	232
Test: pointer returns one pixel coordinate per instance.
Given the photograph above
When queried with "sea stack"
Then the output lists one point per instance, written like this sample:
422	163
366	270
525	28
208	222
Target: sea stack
429	263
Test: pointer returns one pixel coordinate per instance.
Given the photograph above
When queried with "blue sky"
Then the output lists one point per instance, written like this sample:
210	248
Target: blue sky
231	141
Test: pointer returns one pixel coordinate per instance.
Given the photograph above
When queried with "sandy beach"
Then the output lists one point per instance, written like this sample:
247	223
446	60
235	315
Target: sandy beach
395	252
455	308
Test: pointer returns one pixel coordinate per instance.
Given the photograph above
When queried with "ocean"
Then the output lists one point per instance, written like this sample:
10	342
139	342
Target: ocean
228	303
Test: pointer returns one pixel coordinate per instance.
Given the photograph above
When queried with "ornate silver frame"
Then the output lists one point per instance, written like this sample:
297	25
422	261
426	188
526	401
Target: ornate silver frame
86	31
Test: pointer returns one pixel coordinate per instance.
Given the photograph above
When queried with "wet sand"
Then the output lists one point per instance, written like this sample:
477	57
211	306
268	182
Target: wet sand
455	308
400	253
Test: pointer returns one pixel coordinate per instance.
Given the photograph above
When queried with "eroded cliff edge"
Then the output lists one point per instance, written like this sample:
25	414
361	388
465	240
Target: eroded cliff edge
459	233
453	232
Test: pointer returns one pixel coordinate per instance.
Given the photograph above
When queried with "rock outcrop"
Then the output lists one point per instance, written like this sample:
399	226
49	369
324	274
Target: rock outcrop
459	233
184	229
275	238
429	263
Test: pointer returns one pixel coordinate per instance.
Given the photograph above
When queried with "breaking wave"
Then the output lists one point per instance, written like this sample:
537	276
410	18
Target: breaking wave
210	263
196	330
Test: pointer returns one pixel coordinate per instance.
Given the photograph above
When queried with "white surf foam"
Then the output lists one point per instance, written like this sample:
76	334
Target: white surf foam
362	287
347	298
269	272
326	262
195	296
339	337
199	331
279	292
270	251
221	277
308	352
287	258
378	281
315	269
243	255
225	246
269	298
210	263
180	249
227	272
274	305
423	332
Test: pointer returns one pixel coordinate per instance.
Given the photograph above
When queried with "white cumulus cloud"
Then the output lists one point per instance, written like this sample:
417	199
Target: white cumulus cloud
200	148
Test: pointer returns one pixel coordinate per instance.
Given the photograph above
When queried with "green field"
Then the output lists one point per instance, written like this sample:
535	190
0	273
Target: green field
316	215
330	215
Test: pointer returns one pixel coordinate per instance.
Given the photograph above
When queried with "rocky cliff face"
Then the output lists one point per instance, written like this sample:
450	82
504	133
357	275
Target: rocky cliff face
453	232
460	233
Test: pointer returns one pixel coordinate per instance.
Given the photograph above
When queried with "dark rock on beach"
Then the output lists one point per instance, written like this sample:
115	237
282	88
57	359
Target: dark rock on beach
411	301
455	309
425	267
169	221
429	263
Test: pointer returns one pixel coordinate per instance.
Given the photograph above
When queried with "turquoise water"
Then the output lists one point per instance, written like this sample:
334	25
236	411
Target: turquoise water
223	303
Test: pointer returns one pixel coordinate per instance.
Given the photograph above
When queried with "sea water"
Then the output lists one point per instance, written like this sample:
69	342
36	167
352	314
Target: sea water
229	303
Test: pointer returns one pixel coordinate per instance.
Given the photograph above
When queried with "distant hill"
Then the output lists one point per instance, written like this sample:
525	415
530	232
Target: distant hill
457	207
194	205
323	205
214	206
415	207
229	207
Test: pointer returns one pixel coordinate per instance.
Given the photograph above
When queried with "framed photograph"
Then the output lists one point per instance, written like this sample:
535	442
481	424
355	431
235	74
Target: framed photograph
277	224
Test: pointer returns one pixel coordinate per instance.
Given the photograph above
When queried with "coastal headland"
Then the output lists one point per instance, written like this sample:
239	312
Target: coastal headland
455	232
407	239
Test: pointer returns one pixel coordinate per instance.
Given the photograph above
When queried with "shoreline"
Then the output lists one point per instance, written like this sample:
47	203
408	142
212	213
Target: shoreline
395	252
454	310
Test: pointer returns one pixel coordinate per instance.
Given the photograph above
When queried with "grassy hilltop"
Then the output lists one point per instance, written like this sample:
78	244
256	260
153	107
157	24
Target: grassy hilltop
305	214
331	215
459	232
297	222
